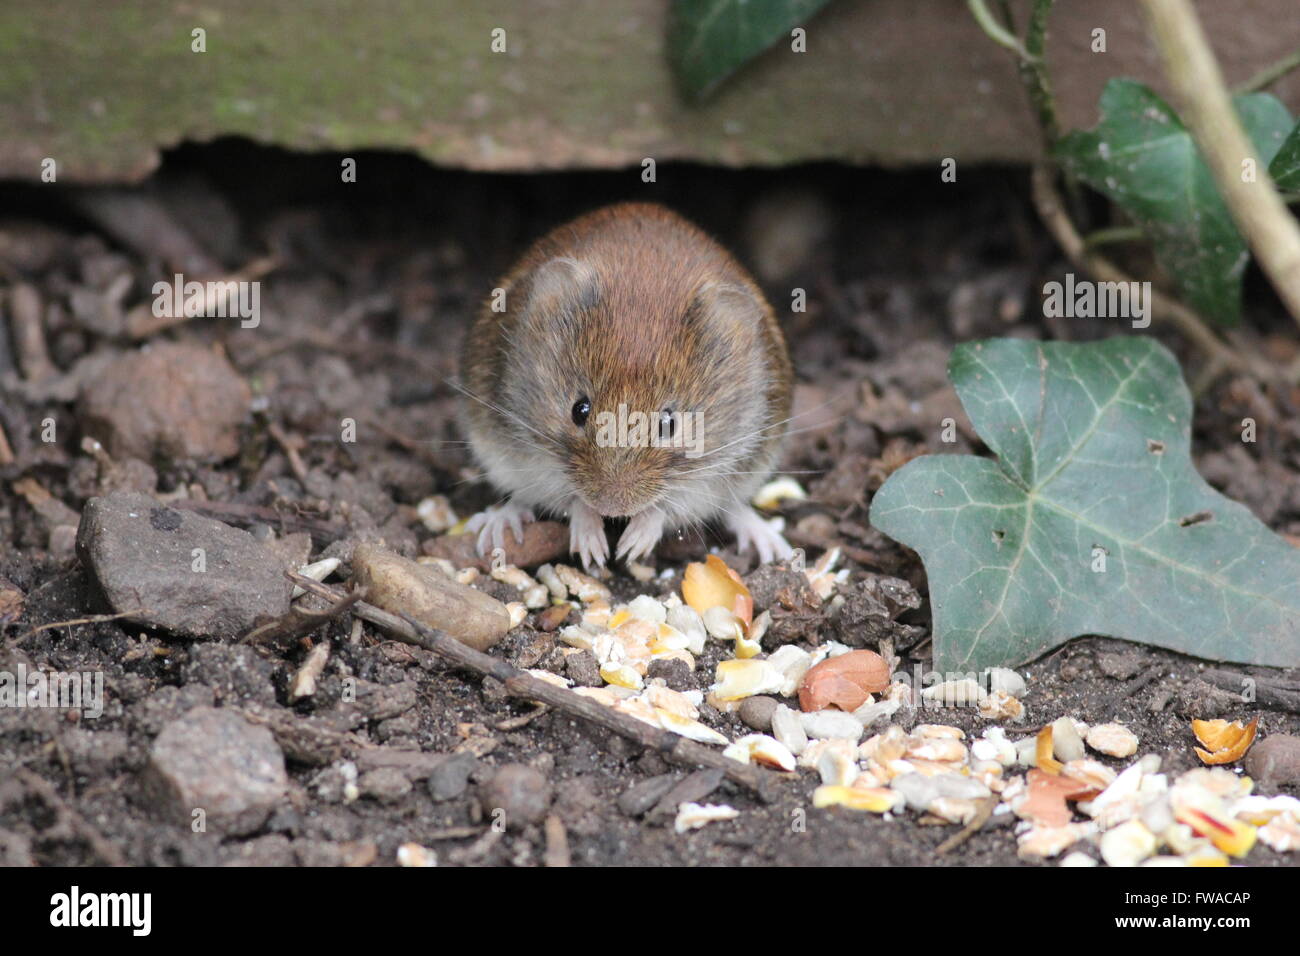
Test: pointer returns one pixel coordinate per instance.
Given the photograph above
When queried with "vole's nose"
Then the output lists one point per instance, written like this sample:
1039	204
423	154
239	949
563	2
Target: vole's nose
618	499
622	487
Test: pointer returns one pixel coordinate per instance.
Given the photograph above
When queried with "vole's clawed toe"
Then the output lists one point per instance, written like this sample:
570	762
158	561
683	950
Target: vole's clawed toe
752	530
491	525
587	535
641	535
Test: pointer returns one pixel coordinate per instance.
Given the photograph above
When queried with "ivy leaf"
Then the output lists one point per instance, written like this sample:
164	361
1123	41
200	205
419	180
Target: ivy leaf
1092	520
1142	157
1285	168
710	39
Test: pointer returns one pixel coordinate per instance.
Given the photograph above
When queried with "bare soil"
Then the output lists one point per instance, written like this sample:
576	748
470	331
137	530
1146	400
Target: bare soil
363	318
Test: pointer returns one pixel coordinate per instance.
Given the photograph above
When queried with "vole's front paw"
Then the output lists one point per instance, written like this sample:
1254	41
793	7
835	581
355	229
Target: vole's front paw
642	533
587	535
752	530
491	526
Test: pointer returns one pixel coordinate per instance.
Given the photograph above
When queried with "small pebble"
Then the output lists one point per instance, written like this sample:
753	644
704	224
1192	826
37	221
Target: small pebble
520	793
385	784
1275	761
450	778
215	760
757	712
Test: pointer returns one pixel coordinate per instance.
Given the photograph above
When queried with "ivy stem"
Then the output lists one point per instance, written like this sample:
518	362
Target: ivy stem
1102	237
1051	209
996	31
1033	71
1256	207
1055	215
1269	75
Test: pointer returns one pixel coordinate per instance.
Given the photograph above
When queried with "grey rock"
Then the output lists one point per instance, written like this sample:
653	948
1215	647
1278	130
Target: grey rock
142	555
644	794
521	792
386	784
450	779
217	761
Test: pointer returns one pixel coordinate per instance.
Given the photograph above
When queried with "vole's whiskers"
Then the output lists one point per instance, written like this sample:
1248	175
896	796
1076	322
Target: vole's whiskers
774	425
509	416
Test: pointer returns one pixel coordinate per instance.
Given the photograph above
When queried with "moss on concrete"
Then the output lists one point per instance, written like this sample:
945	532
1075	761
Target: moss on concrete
103	87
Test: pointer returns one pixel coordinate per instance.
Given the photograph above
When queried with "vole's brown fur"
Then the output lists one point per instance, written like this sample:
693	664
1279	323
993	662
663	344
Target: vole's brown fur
628	305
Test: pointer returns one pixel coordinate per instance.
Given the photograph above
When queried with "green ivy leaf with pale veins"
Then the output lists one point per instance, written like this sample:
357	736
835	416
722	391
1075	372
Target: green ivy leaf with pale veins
1285	168
1143	158
1092	520
711	39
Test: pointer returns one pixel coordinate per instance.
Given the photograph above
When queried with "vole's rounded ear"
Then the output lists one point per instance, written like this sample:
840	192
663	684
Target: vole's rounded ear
729	309
562	286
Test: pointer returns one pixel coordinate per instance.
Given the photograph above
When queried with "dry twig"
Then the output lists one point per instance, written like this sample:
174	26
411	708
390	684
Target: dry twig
89	619
524	686
982	814
299	622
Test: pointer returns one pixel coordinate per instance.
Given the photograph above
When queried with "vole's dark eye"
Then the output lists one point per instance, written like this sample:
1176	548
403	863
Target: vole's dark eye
667	423
581	409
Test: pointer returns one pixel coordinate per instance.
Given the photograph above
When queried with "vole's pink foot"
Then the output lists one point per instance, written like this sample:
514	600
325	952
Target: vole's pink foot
587	534
491	525
752	530
642	533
